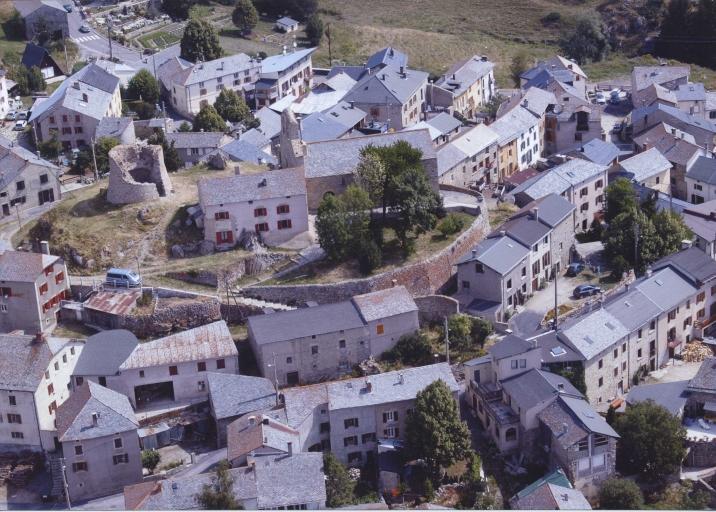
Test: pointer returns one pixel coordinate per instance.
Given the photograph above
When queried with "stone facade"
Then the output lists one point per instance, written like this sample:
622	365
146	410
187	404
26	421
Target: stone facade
137	174
434	308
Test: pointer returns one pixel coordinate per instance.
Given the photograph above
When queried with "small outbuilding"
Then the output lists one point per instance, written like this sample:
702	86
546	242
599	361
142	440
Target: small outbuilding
286	24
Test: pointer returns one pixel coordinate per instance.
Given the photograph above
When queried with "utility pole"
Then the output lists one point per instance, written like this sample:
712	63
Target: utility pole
447	342
67	61
64	483
94	159
330	53
636	247
109	37
275	376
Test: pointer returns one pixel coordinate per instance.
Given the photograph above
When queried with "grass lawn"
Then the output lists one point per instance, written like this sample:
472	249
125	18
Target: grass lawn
501	213
160	39
69	329
325	271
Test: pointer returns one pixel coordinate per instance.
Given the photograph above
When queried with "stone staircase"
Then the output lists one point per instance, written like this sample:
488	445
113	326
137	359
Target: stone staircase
57	488
258	303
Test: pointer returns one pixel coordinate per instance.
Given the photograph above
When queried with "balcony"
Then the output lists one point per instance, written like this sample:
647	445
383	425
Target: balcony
488	391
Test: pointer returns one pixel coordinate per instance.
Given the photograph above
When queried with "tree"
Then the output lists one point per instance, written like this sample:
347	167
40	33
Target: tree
652	441
101	150
480	330
343	226
144	109
371	175
14	27
172	161
50	148
369	255
519	64
620	494
493	105
459	329
331	228
208	120
245	16
586	42
184	127
219	495
232	107
78	65
177	8
411	349
339	486
303	9
433	429
415	205
314	29
150	459
670	232
20	77
143	86
200	42
35	80
451	224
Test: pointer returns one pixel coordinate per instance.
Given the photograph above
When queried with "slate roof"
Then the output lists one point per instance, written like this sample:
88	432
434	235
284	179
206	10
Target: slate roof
387	56
319	126
270	122
444	123
243	436
114	414
670	395
554	350
705	378
514	123
555	68
185	140
510	346
598	151
692	263
285	20
23	362
595	332
387	85
384	303
524	229
24	267
476	139
303	322
535	387
26	7
387	387
113	127
338	157
183	72
699	220
252	187
256	138
644	76
501	254
91	80
462	75
448	157
571	419
690	92
633	309
280	63
666	288
676	114
346	115
676	146
559	179
551	209
704	170
14	160
241	150
233	395
551	492
301	402
645	165
210	341
104	352
283	481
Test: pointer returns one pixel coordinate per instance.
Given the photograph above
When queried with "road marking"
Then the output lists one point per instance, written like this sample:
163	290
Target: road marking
84	39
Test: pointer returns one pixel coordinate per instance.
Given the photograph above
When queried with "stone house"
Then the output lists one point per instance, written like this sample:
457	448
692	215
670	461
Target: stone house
393	95
27	181
330	165
283	75
523	127
667	78
580	182
551	492
465	87
286	24
272	204
598	151
470	158
701	180
573	119
314	343
702	388
191	86
538	101
702	130
350	417
442	127
168	370
649	169
254	436
100	443
677	147
44	17
511	264
233	396
32	285
34	380
120	128
538	414
195	147
701	220
76	107
555	69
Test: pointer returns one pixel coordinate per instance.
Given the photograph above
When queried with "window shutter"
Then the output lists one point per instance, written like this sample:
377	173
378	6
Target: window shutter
395	415
397	432
385	417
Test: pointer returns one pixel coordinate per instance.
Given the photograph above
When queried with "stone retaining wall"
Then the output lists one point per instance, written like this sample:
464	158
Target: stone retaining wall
168	318
434	308
425	277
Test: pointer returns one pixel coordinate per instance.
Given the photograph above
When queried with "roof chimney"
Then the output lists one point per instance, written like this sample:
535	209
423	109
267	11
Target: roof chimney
45	247
503	232
289	447
474	253
393	283
535	213
353	104
401	379
383	77
252	420
368	386
263	183
95	419
560	387
649	272
39	337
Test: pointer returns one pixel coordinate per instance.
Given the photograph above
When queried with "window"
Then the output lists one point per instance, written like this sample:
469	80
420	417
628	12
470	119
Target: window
523	363
325	427
479	269
221	215
289	360
583	445
391	432
50	389
638	334
513	364
260	212
390	416
52	119
79	380
12	399
78	129
350	441
66	130
282	208
350	423
17	435
201	366
263	226
599	184
601	363
583	192
601	441
355	457
64	118
141	374
43	288
616	371
524	271
120	459
201	385
652	325
511	434
78	449
43	179
5	291
638	353
701	297
220	364
202	92
624	366
379	329
466	284
368	438
341	343
701	313
314	350
173	370
584	207
118	442
284	224
601	381
672	315
79	466
14	418
64	358
58	279
616	353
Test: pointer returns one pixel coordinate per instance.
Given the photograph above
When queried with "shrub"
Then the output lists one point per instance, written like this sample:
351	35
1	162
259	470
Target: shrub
552	17
369	256
451	224
620	494
150	459
411	349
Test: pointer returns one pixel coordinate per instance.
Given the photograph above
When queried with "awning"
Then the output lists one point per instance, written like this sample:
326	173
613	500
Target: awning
674	343
710	406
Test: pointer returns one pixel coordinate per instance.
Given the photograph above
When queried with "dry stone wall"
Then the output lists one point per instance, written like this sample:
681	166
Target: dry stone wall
137	174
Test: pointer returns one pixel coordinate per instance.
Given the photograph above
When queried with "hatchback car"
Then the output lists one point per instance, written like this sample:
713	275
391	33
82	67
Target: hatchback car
20	125
574	268
84	29
585	290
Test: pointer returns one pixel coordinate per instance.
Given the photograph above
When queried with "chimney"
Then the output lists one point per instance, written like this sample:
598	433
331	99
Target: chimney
565	427
393	283
649	272
474	253
686	244
368	386
265	421
453	76
76	85
535	213
39	337
174	486
353	104
45	247
95	418
401	379
263	183
503	232
560	387
525	103
383	77
252	421
289	447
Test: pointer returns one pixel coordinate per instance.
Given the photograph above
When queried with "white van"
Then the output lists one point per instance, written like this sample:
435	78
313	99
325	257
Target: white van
123	278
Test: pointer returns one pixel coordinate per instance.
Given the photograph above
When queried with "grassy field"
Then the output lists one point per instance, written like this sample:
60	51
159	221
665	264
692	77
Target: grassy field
160	39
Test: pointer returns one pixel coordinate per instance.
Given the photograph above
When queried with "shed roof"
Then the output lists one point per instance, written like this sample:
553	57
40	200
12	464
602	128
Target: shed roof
501	254
670	395
598	151
705	378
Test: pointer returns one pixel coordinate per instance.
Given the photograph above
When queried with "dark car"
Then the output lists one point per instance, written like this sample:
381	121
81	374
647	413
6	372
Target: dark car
574	268
585	290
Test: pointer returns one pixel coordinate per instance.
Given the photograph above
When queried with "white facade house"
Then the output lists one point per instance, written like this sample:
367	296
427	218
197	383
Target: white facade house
290	73
521	126
191	86
701	180
4	96
273	204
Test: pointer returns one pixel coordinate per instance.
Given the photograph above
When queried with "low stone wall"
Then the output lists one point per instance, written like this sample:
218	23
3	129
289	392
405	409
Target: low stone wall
425	277
238	313
434	308
455	188
169	317
701	453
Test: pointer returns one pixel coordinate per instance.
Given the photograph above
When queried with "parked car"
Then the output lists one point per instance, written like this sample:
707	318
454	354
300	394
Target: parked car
123	278
574	268
20	125
84	29
585	290
11	116
601	99
23	114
